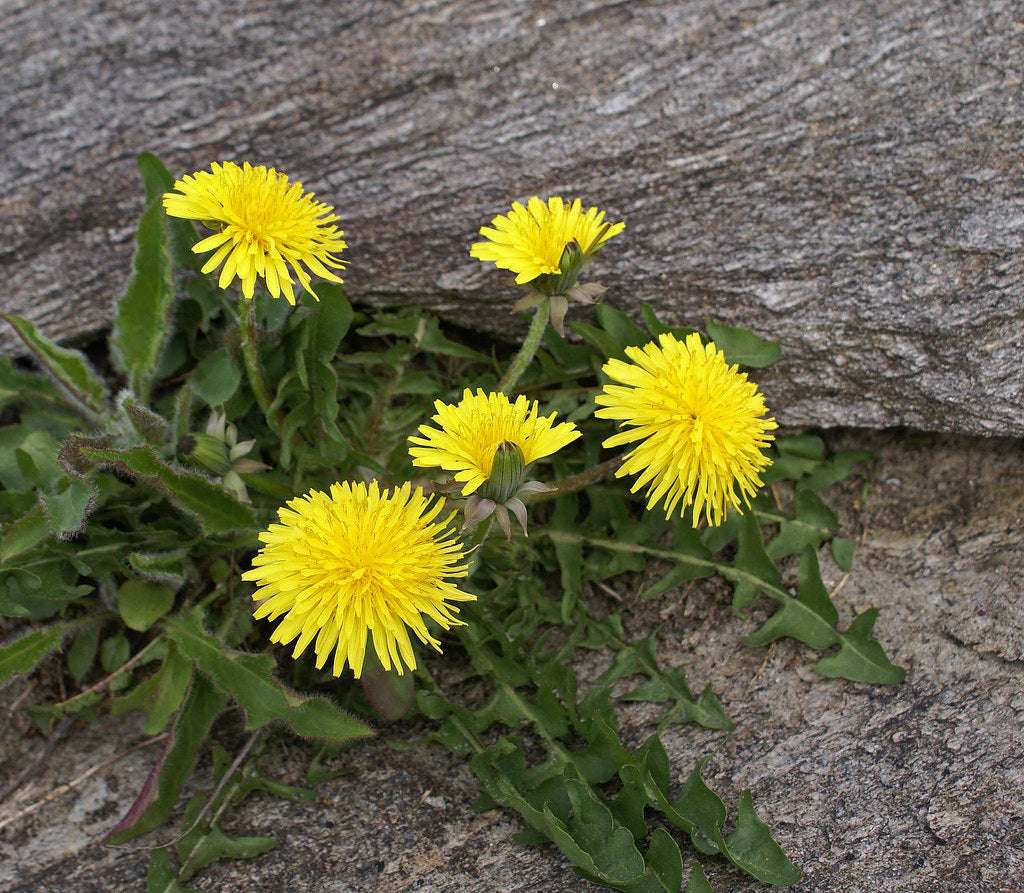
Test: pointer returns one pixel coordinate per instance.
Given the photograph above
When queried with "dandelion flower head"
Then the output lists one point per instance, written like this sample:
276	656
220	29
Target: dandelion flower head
696	425
529	241
354	563
469	433
263	225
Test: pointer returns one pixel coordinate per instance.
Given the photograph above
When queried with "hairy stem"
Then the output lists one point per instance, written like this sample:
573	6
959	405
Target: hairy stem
577	481
253	365
528	350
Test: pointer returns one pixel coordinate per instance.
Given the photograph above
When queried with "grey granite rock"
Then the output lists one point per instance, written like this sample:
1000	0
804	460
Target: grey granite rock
913	788
845	177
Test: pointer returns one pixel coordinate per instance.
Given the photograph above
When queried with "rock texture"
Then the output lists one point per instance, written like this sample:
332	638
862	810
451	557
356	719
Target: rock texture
905	789
846	177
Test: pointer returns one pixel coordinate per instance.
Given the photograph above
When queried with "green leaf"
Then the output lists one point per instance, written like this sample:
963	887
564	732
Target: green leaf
752	848
205	843
24	653
741	346
141	603
860	657
114	652
248	679
656	327
160	695
811	524
143	321
698	881
67	508
28	531
605	345
216	510
82	653
330	321
17	386
215	377
842	552
626	332
170	567
161	878
810	617
69	368
174	765
756	571
433	341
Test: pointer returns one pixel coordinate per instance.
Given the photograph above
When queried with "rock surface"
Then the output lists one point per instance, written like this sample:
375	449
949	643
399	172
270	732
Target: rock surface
905	789
845	177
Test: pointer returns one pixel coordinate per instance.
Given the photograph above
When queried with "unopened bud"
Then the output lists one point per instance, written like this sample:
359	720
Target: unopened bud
205	451
506	473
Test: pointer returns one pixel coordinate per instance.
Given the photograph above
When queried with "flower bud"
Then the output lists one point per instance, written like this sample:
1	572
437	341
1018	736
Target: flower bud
205	451
506	473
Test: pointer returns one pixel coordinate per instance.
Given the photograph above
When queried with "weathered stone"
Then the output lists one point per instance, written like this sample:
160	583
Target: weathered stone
896	789
844	177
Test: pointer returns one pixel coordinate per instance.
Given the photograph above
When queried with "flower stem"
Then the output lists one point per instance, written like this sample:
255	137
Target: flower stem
577	481
253	365
528	350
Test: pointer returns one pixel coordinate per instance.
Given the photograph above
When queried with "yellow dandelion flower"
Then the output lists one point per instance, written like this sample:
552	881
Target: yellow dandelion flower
470	433
354	563
696	424
264	225
530	241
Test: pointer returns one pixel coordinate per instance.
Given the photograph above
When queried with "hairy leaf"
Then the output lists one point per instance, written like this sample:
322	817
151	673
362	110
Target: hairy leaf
23	654
69	368
142	324
174	764
248	679
216	510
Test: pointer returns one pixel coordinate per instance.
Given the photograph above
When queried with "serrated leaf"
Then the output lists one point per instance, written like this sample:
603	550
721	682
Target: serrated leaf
835	468
741	346
248	679
216	510
68	367
811	523
174	764
142	324
810	617
861	657
215	377
755	569
433	341
752	848
23	654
